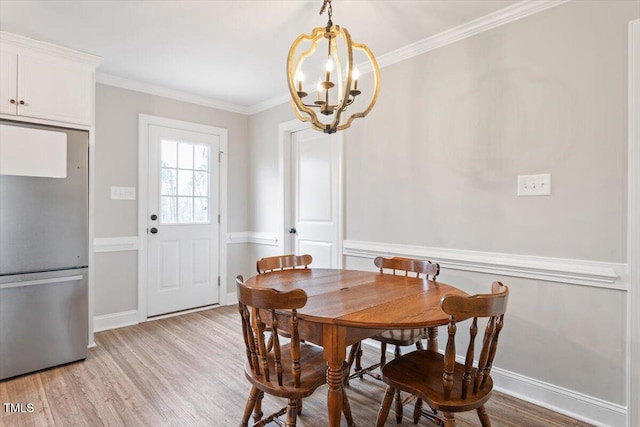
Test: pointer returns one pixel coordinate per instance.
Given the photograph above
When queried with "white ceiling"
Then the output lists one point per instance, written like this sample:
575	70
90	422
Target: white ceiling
233	52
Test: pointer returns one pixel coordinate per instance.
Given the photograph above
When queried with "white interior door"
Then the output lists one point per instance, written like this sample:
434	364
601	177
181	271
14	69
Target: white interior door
183	215
316	196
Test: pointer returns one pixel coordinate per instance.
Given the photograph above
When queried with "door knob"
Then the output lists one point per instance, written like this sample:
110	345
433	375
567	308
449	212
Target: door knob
293	230
153	230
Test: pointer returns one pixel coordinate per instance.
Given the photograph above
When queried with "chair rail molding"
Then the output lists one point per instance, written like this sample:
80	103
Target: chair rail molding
115	244
577	272
256	237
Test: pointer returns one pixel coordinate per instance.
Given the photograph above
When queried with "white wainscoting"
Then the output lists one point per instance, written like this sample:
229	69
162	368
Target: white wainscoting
577	272
585	273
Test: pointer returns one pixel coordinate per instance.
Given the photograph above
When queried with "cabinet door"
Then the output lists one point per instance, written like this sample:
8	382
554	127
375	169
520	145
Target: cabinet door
8	82
54	89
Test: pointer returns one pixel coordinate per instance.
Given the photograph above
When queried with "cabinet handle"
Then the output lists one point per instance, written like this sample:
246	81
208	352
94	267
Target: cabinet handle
13	101
21	102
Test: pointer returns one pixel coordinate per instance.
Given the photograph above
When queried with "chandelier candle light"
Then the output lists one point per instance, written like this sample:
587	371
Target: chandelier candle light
337	87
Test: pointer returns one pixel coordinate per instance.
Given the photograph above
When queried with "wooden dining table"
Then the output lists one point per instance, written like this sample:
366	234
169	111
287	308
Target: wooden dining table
347	306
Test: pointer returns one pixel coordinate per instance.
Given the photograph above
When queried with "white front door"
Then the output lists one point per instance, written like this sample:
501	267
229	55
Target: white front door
316	196
183	233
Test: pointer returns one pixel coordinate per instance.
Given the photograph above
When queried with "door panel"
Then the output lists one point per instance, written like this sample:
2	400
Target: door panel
183	192
316	181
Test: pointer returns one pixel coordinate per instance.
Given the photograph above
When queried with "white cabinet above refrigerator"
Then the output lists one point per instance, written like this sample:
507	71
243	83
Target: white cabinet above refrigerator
43	81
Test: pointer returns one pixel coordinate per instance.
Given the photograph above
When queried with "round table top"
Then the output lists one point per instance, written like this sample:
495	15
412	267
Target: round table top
362	299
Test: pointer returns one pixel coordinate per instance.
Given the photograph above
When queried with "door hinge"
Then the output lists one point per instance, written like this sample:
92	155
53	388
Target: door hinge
218	281
218	218
220	156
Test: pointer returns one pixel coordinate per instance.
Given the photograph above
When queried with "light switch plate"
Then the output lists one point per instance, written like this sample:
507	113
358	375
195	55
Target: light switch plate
123	193
534	185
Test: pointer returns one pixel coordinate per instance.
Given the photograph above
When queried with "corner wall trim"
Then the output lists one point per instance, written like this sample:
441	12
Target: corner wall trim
115	244
577	272
115	320
260	238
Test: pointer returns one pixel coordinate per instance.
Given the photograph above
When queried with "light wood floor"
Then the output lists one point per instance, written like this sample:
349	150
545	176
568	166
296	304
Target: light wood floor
188	371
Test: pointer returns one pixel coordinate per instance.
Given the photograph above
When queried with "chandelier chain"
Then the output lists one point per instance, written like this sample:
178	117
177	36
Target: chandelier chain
324	7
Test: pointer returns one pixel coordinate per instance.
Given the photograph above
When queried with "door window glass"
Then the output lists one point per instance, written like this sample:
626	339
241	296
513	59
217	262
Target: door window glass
184	183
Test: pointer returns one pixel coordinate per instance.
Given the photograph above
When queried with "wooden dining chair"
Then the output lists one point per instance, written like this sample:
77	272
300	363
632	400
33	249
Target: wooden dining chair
283	262
399	337
292	370
439	380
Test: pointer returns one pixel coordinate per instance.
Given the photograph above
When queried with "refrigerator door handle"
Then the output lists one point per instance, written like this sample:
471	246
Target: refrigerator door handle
40	282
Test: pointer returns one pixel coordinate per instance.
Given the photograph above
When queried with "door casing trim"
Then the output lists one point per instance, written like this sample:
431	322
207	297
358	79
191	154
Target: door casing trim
285	130
144	121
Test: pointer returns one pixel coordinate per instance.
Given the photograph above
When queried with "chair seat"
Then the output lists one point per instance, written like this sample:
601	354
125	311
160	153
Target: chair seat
420	373
312	376
401	337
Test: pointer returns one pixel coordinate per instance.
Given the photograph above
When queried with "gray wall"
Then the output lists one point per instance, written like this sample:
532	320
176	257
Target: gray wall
435	165
117	165
451	131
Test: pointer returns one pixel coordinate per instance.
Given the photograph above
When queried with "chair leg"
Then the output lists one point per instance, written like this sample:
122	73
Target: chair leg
257	412
484	417
383	413
417	411
346	409
419	345
383	354
292	412
449	420
251	403
398	353
353	356
299	406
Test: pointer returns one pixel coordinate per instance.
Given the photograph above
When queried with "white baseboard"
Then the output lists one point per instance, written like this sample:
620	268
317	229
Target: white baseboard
115	320
230	298
558	399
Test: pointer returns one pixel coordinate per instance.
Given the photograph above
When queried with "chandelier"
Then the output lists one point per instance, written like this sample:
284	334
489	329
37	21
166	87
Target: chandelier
338	99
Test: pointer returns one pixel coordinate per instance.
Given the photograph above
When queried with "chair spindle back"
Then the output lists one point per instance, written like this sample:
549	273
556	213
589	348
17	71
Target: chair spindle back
253	304
492	306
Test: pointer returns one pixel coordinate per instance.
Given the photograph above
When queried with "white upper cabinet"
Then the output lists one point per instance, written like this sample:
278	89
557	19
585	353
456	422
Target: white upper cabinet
44	81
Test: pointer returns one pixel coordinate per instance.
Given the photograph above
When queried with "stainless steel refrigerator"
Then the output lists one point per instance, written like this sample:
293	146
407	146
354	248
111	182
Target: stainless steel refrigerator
43	247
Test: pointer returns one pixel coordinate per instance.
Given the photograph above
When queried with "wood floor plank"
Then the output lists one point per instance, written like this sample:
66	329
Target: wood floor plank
188	371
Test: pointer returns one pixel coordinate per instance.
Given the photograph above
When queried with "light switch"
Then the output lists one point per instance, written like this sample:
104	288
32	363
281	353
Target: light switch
123	193
534	185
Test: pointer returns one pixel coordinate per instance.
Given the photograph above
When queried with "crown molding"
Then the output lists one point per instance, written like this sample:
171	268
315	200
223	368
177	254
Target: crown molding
501	17
40	46
496	19
124	83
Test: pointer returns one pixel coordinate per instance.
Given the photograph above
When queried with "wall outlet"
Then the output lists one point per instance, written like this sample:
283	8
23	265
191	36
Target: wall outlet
123	193
534	185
